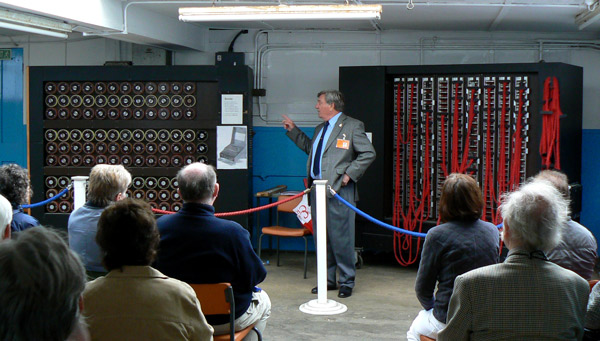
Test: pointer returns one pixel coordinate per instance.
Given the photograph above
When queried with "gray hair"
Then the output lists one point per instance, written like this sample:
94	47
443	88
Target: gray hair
535	214
197	182
333	97
41	281
106	181
5	215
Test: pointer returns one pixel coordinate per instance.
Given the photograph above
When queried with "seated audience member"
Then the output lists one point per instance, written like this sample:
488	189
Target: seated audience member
577	250
196	247
592	317
5	218
135	301
527	297
107	183
16	188
41	282
462	243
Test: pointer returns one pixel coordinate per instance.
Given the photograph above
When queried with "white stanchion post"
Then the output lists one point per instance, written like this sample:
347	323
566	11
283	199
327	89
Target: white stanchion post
322	306
79	184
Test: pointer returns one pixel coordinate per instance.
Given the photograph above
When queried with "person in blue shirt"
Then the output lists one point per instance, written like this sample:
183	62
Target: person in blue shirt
16	188
107	184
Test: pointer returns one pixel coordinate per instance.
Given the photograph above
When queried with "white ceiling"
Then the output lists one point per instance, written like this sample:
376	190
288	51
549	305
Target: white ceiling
467	15
431	15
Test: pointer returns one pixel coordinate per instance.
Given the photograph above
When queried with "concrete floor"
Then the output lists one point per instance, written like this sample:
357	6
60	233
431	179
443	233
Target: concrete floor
382	306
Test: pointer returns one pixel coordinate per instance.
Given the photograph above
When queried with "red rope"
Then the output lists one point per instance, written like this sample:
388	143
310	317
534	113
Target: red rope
250	210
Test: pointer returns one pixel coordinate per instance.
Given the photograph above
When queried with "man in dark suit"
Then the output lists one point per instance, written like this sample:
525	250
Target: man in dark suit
339	152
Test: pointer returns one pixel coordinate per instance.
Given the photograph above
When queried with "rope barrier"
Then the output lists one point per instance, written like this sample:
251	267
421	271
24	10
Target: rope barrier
380	223
368	217
250	210
42	203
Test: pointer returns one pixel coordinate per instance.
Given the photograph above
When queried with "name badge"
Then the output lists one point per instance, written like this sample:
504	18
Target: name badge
343	144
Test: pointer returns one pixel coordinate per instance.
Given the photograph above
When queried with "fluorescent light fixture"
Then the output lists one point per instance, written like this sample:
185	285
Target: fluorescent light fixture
34	30
587	17
280	12
25	22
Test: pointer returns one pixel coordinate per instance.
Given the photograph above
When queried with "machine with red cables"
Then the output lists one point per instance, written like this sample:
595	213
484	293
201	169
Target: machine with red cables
430	121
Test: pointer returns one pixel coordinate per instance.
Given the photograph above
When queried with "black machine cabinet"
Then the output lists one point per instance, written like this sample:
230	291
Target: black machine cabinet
152	119
487	120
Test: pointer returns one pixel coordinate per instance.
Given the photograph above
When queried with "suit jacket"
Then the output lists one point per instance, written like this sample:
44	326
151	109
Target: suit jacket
336	162
521	299
140	303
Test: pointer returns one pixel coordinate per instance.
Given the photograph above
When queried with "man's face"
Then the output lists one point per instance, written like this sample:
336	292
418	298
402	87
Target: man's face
326	111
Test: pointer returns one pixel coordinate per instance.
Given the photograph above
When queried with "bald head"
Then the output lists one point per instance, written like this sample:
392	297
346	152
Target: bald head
198	183
5	218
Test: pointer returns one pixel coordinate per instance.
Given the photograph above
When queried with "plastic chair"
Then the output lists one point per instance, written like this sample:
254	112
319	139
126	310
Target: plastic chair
217	299
282	231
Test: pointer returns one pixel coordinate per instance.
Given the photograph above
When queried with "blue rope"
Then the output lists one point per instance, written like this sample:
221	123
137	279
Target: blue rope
382	224
42	203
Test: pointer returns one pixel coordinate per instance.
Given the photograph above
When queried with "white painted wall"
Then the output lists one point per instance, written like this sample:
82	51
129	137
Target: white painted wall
296	65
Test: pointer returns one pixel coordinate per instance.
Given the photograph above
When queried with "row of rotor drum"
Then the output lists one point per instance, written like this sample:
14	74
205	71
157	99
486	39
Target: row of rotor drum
126	101
64	206
120	113
125	88
125	135
160	192
125	160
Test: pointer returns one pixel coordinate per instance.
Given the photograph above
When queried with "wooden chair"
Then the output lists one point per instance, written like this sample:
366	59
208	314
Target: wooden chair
425	338
283	231
217	299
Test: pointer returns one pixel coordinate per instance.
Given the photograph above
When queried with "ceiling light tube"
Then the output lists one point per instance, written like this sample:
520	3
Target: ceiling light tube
34	30
281	12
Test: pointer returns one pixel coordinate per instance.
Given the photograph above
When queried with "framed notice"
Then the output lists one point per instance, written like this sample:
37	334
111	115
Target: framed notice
232	107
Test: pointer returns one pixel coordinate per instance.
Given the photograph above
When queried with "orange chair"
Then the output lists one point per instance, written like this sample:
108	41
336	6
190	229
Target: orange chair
592	283
426	338
282	231
217	299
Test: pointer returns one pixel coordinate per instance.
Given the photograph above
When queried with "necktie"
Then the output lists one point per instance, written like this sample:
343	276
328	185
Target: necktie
317	162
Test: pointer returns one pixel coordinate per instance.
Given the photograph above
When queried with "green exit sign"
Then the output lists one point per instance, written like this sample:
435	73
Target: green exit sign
5	54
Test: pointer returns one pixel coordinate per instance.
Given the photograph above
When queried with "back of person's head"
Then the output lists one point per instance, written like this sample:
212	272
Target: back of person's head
127	234
334	97
535	215
197	182
106	182
460	199
41	281
14	184
5	217
558	179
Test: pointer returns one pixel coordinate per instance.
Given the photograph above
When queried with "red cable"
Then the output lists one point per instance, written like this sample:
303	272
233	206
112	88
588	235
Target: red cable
488	185
454	165
515	176
550	139
465	158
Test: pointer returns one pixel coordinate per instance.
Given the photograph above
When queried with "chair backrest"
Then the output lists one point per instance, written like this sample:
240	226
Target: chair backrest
217	299
592	282
288	206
